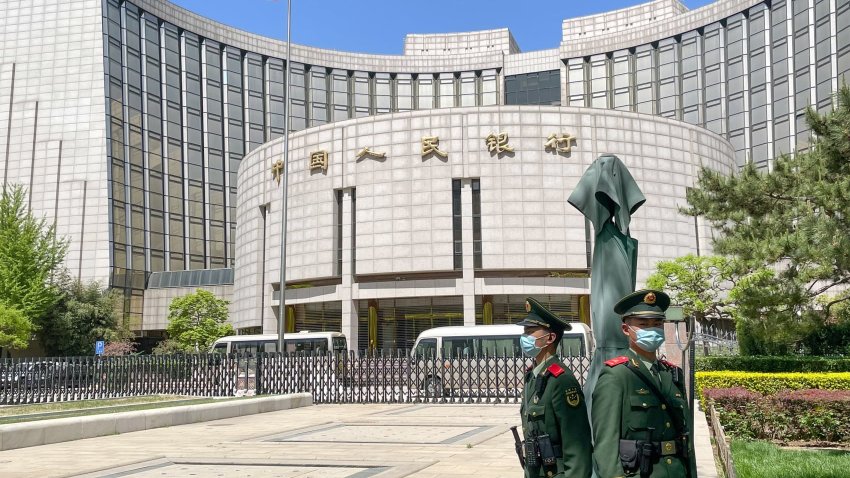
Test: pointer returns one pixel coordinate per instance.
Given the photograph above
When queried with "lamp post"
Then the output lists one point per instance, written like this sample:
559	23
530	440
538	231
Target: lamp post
284	190
676	314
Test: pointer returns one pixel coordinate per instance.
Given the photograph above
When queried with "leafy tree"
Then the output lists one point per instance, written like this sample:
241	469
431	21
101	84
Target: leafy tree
196	320
789	228
15	328
84	314
699	284
31	257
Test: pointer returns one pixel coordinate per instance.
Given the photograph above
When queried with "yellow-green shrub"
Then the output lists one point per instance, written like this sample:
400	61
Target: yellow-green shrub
770	383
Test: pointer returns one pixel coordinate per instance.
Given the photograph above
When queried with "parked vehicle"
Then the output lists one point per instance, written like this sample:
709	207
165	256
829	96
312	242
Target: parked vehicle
494	350
27	375
304	341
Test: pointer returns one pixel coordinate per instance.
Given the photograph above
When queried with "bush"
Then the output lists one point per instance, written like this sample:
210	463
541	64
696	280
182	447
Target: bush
771	383
119	348
799	415
789	363
170	347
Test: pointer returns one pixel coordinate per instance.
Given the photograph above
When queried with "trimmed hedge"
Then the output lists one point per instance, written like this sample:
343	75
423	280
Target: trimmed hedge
771	383
743	363
800	415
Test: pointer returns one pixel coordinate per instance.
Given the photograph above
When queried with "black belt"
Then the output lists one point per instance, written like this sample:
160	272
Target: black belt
665	448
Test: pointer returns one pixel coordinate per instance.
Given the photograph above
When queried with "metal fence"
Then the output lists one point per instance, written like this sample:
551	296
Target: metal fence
331	378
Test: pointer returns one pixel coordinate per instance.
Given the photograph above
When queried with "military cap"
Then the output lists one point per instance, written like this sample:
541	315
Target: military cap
539	316
643	303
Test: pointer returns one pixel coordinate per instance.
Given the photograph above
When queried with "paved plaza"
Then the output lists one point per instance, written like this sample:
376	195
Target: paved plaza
329	441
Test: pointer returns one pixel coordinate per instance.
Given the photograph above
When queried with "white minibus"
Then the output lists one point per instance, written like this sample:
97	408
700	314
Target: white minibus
304	341
482	356
494	341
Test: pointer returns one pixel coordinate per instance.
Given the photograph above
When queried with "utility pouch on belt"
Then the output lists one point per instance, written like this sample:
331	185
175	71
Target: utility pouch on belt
629	457
547	453
531	456
646	451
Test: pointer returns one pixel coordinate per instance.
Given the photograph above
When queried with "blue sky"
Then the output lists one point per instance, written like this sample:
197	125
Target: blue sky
379	26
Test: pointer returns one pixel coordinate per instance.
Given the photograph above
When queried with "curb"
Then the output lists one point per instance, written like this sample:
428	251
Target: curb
44	432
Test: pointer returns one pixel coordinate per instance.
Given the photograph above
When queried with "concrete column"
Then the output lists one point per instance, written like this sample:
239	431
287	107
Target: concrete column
349	305
468	281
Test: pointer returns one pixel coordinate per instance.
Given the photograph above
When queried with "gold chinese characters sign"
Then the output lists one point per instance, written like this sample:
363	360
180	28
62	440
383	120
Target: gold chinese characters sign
430	144
277	170
562	143
368	152
498	143
319	160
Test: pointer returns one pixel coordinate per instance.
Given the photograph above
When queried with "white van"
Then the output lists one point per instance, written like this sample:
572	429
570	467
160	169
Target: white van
461	359
494	341
304	341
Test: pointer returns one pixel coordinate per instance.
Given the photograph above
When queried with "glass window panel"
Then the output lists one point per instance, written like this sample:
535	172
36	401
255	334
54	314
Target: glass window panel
425	92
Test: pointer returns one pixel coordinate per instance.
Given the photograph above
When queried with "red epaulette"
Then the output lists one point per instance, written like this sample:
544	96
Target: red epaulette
669	364
616	361
555	369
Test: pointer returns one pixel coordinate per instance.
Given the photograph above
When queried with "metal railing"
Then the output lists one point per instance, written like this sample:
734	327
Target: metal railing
395	377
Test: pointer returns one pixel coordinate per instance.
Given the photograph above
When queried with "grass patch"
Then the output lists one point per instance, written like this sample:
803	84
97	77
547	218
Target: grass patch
758	459
80	408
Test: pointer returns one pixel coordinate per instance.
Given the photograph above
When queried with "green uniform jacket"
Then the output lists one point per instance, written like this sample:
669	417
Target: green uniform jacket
624	408
561	413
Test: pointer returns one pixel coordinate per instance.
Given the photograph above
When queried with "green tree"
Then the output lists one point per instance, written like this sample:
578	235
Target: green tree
15	328
789	227
700	284
196	320
31	257
84	314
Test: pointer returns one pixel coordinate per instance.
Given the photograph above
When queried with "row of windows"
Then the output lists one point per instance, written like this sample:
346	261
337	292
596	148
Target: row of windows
184	110
744	77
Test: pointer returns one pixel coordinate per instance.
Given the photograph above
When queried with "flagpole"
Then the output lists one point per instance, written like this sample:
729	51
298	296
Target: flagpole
284	190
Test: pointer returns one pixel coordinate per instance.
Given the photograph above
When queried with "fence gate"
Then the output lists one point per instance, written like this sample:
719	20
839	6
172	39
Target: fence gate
331	378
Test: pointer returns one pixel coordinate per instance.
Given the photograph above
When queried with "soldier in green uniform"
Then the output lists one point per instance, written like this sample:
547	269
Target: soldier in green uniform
641	422
554	415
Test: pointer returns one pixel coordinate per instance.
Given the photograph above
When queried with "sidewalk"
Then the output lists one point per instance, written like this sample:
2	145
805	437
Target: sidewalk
706	467
329	441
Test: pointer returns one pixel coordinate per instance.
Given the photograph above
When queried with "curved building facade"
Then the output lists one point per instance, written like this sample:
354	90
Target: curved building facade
387	237
128	119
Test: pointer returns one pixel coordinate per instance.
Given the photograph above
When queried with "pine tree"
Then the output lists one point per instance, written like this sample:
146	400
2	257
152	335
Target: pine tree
789	228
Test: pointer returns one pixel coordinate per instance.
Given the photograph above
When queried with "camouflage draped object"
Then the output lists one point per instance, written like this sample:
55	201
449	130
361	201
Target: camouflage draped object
607	196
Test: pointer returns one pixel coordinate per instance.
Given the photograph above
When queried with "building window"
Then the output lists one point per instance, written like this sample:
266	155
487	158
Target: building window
489	93
424	92
599	81
476	223
457	224
467	89
383	93
338	230
539	88
447	90
621	84
404	92
361	94
339	96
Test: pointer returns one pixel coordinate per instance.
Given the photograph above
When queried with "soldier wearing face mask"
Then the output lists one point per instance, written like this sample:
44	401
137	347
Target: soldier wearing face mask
641	422
555	426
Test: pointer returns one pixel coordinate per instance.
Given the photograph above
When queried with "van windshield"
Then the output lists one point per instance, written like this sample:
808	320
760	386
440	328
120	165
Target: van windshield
340	344
426	348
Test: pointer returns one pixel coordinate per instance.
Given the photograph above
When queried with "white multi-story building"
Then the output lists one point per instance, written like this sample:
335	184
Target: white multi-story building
148	134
